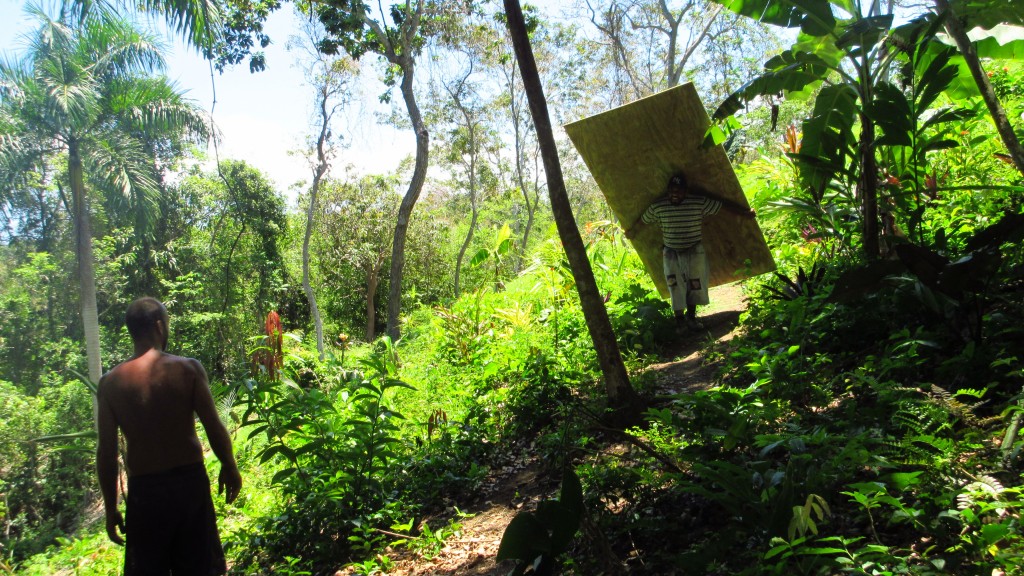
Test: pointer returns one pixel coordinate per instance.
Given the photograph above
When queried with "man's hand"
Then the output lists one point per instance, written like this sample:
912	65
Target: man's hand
115	522
631	231
229	483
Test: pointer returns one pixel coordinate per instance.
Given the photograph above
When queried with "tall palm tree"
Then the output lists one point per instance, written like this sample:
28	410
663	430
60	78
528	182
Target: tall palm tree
86	90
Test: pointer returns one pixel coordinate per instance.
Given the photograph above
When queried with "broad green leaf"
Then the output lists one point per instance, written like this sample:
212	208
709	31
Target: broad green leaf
504	234
989	13
993	533
903	480
776	551
1004	42
947	115
572	492
863	33
812	16
822	46
559	522
938	75
282	475
818	551
791	78
480	257
944	144
525	538
892	114
257	430
828	136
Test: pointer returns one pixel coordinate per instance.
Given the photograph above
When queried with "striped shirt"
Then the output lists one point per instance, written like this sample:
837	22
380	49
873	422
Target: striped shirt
681	223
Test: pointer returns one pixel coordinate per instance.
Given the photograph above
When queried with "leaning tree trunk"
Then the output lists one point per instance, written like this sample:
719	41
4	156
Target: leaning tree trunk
621	395
86	275
475	216
419	176
970	54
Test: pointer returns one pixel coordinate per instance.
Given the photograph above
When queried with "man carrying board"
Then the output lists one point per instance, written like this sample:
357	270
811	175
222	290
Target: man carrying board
680	214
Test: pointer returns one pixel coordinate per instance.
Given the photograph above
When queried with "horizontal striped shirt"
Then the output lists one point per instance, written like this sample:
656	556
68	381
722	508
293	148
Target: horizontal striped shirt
681	223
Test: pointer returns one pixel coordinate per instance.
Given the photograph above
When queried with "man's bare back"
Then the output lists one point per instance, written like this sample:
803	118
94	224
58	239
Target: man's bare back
154	399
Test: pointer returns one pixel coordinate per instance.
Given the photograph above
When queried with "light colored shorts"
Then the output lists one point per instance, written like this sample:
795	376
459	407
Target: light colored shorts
686	272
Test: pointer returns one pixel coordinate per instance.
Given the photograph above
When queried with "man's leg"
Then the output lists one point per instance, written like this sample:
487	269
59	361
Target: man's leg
196	543
147	530
675	280
695	266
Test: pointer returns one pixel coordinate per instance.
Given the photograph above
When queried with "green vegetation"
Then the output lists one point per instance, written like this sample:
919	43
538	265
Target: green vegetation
865	419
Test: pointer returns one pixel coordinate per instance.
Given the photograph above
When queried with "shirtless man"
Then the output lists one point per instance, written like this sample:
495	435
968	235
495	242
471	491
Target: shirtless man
153	398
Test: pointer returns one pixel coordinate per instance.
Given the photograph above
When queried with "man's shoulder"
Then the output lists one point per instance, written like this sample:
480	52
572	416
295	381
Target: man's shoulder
114	374
183	361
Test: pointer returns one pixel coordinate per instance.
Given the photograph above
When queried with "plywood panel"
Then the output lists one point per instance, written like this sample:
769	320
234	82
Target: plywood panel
632	150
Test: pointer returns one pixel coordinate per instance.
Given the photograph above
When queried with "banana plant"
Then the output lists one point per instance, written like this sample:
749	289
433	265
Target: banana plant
849	56
503	244
847	53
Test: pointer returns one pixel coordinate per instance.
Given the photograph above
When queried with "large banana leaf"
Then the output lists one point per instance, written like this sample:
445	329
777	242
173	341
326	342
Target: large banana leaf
813	17
788	72
989	13
1003	41
828	137
996	27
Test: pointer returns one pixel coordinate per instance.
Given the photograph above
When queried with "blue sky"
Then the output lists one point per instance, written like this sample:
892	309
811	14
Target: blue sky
265	116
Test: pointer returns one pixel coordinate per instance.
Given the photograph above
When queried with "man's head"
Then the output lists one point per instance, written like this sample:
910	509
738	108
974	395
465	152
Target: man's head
676	189
146	319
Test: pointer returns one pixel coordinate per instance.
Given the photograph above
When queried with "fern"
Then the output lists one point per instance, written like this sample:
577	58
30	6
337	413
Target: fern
984	487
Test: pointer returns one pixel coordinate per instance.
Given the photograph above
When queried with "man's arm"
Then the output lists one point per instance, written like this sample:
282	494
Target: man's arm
220	440
734	207
634	228
645	219
106	464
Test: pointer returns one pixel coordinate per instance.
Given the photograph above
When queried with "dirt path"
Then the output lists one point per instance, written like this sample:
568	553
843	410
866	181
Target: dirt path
516	485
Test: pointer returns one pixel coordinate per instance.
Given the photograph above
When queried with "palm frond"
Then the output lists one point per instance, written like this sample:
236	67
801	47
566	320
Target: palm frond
154	107
200	22
117	48
122	167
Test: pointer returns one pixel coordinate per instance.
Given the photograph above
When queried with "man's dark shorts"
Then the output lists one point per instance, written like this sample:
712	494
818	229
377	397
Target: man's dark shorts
170	525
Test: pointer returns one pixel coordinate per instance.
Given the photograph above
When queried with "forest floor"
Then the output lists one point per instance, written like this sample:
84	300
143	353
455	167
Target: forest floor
520	483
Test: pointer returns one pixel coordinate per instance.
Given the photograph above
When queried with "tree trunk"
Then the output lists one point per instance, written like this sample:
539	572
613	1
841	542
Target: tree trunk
314	190
86	275
867	188
621	395
995	108
531	207
372	280
473	206
419	176
465	243
306	284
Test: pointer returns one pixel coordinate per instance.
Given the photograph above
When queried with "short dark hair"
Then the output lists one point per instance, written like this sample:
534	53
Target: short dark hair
142	316
677	179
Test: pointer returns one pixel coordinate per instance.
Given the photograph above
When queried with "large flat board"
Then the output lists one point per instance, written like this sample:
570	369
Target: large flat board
632	150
